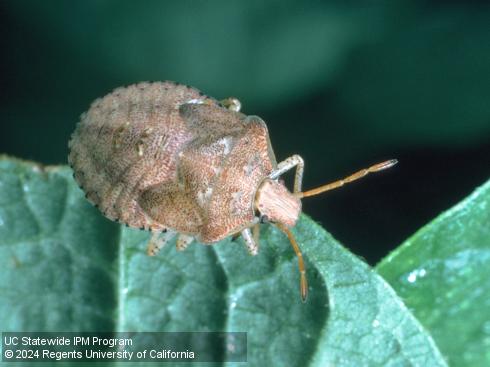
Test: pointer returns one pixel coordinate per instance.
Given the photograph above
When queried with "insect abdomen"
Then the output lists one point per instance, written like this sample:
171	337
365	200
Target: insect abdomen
127	142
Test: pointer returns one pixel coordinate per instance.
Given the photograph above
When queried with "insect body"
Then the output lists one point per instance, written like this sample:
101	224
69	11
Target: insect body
164	157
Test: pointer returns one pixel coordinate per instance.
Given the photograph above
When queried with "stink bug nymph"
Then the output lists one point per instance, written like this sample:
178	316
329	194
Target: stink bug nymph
166	158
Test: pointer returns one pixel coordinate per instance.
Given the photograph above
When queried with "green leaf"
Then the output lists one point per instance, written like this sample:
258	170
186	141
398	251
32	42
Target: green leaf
66	268
443	275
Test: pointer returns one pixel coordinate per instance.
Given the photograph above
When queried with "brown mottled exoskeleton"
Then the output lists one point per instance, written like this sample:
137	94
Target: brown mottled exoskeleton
164	157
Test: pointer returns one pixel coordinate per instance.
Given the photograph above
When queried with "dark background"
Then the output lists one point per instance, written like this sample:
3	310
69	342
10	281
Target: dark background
343	83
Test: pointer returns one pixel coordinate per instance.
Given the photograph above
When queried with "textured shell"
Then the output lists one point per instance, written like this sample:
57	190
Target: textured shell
164	156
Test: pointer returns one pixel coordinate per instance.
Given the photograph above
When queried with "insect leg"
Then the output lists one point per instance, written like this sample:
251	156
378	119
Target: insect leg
286	165
235	236
157	241
232	104
183	241
256	233
252	246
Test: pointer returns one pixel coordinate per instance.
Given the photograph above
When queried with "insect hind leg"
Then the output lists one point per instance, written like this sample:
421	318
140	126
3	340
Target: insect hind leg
232	104
183	241
158	241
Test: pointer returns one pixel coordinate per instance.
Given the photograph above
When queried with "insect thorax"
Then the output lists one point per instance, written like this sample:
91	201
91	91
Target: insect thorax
232	190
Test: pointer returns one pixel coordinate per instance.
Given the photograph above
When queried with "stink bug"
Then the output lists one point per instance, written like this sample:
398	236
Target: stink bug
166	158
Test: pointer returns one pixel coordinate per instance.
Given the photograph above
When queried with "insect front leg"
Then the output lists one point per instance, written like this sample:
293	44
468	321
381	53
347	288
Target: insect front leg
286	165
183	241
158	240
252	246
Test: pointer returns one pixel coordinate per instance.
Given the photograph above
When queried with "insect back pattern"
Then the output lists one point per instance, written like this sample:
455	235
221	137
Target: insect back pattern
166	158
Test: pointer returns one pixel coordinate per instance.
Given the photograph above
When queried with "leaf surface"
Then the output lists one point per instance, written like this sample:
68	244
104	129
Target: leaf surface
66	268
443	275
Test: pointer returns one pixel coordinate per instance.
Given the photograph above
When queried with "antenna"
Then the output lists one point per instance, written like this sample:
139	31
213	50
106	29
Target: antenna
302	272
355	176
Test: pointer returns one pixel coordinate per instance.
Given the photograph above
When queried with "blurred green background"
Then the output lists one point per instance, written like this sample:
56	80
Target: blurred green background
343	83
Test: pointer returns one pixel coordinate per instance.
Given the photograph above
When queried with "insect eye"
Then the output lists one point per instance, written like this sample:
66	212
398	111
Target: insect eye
264	219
